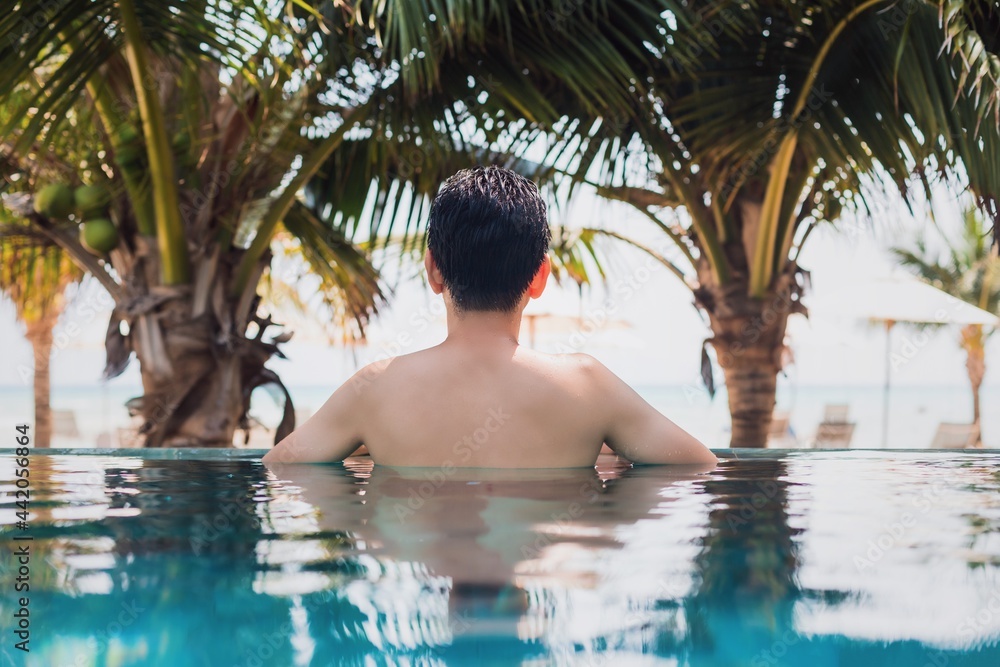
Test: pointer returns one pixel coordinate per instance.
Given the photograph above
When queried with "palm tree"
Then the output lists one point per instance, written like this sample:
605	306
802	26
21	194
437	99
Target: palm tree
34	274
785	115
206	123
970	271
192	152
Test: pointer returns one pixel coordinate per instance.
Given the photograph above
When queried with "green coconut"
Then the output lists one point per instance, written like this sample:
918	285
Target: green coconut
91	200
54	201
99	235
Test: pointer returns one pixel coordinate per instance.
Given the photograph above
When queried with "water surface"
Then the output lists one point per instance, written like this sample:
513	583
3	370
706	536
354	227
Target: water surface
774	558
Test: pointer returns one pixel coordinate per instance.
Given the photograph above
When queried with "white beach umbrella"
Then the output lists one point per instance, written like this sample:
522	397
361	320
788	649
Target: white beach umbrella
905	299
536	323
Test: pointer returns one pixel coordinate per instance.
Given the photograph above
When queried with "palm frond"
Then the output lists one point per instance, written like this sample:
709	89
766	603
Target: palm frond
349	285
74	41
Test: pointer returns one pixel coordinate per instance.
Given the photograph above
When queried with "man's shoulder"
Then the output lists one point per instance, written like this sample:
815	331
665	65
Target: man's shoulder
386	367
578	361
578	366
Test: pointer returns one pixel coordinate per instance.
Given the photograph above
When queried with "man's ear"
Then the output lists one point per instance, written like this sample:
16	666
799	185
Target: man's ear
434	277
541	278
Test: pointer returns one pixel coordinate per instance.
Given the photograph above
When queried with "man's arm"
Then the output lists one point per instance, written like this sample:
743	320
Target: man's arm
333	433
637	430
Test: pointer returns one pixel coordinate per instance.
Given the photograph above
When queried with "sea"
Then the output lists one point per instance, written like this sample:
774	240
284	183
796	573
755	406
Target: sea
914	412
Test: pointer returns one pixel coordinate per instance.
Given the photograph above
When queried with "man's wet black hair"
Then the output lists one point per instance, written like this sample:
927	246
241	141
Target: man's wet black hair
488	235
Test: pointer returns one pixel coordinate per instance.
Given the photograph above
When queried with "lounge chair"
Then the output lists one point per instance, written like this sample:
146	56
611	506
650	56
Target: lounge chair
833	435
780	433
835	431
956	436
64	424
835	413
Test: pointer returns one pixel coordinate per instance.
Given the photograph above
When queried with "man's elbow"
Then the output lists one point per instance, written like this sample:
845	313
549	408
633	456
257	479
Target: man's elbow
272	457
698	454
283	452
708	458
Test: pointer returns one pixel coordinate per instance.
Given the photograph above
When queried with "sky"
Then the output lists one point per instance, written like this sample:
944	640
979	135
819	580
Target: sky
654	335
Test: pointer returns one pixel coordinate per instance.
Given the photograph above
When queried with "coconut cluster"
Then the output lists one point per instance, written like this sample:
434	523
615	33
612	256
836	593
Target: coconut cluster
89	204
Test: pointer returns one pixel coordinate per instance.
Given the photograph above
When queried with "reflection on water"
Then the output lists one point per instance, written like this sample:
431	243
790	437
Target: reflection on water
809	558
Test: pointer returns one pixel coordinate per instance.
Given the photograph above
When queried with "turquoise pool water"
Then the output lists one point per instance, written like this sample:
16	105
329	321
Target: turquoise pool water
775	558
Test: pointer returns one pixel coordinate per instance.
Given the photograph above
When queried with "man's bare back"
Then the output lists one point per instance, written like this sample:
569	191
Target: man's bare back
479	399
465	404
495	408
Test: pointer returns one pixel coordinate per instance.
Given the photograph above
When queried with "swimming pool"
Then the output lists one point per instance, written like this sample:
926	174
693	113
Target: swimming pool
204	557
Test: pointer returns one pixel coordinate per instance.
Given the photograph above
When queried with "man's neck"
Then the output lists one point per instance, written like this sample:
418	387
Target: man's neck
483	328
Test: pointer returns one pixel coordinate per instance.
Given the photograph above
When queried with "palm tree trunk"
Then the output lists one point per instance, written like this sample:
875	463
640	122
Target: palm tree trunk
198	404
39	334
198	366
748	337
751	383
193	386
975	363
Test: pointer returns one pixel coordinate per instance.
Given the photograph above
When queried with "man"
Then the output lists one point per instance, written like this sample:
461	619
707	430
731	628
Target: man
479	399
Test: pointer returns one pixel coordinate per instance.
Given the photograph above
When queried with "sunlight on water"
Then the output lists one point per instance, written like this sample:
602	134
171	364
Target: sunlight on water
818	558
